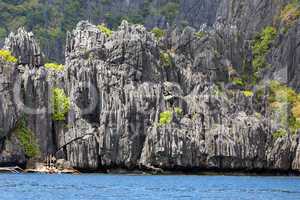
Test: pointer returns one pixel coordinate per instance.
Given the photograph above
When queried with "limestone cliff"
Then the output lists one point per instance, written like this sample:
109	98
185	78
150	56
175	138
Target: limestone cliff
176	102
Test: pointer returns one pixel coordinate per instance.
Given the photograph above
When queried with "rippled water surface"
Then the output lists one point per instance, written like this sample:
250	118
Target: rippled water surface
91	186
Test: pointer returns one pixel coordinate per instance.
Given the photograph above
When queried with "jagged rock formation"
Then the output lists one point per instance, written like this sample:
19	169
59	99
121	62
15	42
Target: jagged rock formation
150	13
120	85
25	49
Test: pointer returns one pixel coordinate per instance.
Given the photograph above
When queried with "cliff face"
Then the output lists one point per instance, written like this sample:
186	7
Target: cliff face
170	103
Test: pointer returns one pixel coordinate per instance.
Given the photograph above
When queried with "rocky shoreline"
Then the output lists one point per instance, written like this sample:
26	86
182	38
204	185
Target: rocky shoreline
157	172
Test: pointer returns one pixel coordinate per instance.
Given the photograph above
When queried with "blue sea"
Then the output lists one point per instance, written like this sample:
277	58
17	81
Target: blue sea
126	187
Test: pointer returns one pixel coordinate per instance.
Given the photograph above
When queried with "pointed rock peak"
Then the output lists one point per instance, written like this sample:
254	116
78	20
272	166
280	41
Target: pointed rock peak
86	26
124	24
130	31
188	31
24	47
128	27
83	38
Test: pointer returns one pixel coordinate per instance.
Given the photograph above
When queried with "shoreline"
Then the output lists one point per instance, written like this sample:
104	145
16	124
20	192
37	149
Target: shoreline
191	171
152	171
200	173
121	171
237	174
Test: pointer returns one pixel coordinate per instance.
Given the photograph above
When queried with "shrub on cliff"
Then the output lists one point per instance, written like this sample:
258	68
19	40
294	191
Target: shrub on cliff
7	56
158	33
285	102
290	13
165	59
27	140
178	111
200	34
165	118
238	81
55	67
248	93
279	133
261	45
105	30
60	103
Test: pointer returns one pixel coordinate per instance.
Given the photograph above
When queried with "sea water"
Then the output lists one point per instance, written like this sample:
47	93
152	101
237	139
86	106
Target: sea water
127	187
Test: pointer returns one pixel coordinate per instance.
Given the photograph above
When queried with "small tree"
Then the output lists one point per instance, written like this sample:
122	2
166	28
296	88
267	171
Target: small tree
104	29
60	103
158	33
7	56
55	67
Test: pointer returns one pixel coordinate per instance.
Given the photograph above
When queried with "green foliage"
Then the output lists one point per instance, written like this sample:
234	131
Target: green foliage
60	103
264	40
50	20
165	118
105	30
55	67
218	91
290	13
170	10
296	110
279	133
282	93
158	33
293	123
200	34
134	18
7	56
166	59
27	140
258	115
259	62
248	93
238	81
178	111
261	46
286	102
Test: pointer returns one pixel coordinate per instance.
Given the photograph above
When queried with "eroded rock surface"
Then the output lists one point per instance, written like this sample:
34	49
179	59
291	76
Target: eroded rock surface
120	84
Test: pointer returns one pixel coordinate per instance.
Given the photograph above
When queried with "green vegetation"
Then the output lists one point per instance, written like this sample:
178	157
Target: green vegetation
166	59
55	67
238	81
282	93
248	93
279	133
134	18
285	102
261	45
50	20
178	111
60	103
165	118
290	13
105	30
7	56
158	33
200	34
217	90
170	10
27	140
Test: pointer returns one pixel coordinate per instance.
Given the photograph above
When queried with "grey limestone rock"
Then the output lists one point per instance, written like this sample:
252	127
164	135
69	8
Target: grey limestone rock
120	84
